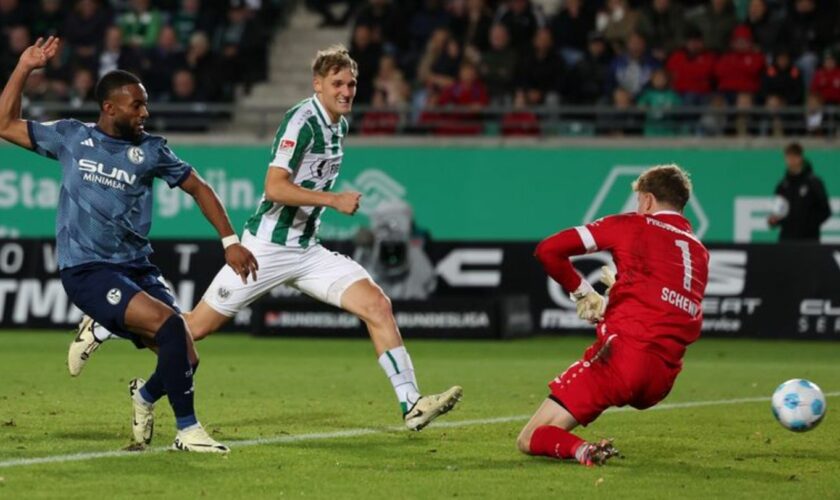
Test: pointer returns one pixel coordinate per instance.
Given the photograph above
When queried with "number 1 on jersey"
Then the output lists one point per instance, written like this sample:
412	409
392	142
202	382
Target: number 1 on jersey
686	258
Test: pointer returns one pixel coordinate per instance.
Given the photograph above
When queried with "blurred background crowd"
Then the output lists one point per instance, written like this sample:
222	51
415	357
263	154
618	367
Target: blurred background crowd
653	67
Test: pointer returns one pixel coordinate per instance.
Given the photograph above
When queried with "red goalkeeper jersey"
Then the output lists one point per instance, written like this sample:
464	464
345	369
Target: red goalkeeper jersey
662	273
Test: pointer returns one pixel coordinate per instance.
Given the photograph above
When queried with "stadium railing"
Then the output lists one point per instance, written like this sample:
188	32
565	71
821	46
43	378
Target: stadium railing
543	121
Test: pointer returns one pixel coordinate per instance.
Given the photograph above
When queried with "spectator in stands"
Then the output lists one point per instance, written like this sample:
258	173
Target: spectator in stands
632	70
13	13
521	121
426	20
39	89
617	22
116	55
541	72
692	70
18	40
84	29
81	89
366	52
739	70
801	205
713	121
781	86
764	25
663	27
657	99
807	31
498	65
467	92
48	19
163	60
470	23
570	28
522	19
141	25
191	18
390	83
716	20
469	95
588	81
328	17
202	64
826	82
184	88
241	44
380	120
379	16
814	115
623	118
432	82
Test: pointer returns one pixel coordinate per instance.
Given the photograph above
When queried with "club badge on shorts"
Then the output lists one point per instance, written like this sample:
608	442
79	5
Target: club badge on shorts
113	296
135	155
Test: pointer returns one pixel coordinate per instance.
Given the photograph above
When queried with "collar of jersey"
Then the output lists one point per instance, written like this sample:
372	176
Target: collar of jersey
666	212
322	112
106	135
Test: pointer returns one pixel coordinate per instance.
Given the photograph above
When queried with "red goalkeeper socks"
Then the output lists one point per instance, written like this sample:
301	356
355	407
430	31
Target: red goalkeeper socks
555	442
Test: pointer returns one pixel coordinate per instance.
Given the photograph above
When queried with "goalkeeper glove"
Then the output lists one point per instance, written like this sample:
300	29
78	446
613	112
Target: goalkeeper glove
589	303
607	278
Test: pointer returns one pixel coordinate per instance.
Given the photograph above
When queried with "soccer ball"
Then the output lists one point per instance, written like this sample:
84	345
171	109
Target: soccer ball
798	404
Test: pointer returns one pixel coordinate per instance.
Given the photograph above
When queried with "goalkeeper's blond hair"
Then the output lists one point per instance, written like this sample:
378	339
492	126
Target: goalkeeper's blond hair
669	184
332	60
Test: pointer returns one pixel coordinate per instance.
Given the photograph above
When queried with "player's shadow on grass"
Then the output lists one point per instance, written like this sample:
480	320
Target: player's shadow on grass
88	435
716	472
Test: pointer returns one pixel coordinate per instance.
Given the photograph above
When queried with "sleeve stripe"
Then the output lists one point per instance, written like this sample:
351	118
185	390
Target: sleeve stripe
587	239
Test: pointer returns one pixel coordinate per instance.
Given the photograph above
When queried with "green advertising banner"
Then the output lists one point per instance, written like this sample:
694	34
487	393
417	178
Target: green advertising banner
457	193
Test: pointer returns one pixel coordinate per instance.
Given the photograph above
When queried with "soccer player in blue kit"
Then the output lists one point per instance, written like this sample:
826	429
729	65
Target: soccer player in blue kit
104	216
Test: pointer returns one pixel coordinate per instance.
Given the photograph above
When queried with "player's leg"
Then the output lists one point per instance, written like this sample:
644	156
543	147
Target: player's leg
204	320
173	375
578	396
90	335
338	280
548	433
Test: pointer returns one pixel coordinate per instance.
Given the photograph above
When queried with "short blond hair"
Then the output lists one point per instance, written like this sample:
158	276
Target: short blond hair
669	184
332	60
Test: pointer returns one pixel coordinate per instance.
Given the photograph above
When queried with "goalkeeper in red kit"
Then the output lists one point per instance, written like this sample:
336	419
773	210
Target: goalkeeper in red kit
653	312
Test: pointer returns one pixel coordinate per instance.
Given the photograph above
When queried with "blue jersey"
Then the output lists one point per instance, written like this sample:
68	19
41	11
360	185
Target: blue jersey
105	204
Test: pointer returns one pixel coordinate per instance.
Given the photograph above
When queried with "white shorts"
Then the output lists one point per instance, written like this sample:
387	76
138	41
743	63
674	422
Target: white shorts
315	271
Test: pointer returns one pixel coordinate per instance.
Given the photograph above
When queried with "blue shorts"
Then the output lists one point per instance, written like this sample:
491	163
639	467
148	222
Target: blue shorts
103	291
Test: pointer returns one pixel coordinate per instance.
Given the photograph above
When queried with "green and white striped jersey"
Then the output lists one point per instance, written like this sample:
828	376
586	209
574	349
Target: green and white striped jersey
310	147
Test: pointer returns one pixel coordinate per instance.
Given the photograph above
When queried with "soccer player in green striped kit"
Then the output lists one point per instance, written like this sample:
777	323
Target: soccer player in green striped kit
282	235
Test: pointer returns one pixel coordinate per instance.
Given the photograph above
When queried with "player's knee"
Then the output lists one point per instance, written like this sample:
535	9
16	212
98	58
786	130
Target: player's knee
523	442
378	310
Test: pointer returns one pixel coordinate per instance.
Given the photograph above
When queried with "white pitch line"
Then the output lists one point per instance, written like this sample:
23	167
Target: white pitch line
79	457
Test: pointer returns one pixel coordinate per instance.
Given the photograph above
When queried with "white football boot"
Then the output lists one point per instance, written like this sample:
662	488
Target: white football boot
195	438
143	420
82	346
430	407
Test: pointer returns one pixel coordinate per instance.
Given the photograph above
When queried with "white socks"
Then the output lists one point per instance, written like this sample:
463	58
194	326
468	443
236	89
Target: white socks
400	371
101	333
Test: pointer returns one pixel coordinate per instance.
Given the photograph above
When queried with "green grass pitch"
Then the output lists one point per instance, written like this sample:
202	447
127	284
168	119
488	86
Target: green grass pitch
329	422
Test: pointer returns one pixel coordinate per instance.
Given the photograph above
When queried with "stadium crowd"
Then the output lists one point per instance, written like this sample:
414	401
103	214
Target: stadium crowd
636	58
653	67
184	50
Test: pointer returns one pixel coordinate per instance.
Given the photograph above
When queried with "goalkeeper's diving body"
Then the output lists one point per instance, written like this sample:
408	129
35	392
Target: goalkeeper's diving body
305	161
652	313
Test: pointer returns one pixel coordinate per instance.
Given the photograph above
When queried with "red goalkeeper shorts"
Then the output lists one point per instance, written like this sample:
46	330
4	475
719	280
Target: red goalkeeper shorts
611	373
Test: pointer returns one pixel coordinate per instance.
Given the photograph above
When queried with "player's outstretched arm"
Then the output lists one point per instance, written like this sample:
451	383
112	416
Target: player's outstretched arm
554	253
239	258
279	188
12	127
